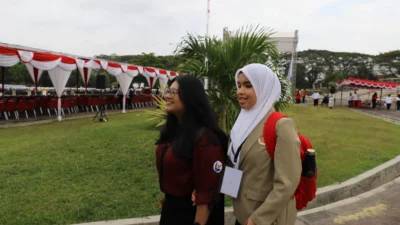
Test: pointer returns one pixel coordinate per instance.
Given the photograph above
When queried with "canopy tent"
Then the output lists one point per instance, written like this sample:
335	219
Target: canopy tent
163	78
151	75
368	84
171	75
59	68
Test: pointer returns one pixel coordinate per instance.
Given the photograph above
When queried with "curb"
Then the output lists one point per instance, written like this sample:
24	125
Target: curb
37	122
385	118
338	194
362	183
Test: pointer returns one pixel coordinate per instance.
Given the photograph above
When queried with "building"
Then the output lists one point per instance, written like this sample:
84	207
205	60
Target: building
286	43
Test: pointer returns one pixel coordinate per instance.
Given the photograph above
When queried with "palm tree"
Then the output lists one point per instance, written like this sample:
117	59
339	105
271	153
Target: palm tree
223	58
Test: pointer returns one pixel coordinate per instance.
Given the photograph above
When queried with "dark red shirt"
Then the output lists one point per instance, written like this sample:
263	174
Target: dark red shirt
181	177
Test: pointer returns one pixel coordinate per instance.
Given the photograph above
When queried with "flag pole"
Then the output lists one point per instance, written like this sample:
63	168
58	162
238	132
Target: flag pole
207	30
290	71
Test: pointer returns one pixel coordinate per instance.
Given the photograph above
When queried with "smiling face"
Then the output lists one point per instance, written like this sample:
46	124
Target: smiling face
174	104
245	92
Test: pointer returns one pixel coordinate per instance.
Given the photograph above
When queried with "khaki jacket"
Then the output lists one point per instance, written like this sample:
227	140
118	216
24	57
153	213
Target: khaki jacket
266	189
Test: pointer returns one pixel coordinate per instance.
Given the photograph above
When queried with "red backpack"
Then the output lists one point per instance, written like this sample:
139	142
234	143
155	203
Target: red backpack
307	188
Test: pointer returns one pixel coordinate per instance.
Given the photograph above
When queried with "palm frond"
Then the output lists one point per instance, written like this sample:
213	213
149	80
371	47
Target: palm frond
158	114
250	44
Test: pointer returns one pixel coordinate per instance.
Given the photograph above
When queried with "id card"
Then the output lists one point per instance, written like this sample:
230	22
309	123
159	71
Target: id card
231	182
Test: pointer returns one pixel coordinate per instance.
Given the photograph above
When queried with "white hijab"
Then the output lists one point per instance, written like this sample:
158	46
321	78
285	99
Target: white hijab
268	90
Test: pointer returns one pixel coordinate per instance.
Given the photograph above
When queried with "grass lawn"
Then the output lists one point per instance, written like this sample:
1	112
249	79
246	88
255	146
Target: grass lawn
80	171
347	143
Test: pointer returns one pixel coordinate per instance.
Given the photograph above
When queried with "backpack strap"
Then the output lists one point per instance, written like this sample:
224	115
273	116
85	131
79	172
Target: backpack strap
304	145
270	132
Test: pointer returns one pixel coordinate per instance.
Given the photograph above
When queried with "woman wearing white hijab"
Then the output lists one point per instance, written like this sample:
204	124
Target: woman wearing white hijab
266	188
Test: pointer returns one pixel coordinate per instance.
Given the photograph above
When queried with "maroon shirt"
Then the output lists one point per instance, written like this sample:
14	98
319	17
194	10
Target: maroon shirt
202	174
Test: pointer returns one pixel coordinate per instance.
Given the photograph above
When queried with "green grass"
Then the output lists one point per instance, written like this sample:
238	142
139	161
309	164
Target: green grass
347	143
77	171
80	171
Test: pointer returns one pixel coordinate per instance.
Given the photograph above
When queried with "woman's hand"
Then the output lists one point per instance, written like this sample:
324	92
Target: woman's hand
249	222
160	203
194	194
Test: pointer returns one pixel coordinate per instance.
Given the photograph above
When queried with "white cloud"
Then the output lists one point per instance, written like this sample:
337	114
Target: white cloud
92	27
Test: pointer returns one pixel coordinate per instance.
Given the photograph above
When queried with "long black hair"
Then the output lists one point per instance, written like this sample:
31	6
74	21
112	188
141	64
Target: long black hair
198	116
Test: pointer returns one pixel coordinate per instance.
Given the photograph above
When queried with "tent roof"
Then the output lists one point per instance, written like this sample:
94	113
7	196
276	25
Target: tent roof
30	49
362	83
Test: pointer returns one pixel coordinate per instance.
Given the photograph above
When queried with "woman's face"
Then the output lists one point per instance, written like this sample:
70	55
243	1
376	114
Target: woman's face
245	92
174	104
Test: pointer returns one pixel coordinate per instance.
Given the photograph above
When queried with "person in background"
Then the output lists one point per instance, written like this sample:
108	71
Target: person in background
190	155
388	102
331	103
398	102
355	99
350	100
298	97
316	96
374	98
304	95
325	100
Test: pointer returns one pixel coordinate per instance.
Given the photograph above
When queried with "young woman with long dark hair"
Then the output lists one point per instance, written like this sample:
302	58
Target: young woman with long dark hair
191	152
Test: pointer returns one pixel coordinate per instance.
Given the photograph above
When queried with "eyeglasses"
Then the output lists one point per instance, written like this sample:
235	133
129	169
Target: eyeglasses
172	92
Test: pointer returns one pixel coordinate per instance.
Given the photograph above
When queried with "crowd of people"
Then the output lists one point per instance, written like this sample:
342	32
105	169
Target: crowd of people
353	100
388	101
301	97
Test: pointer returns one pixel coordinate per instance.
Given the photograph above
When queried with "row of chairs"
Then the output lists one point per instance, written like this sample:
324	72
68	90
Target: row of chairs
12	106
368	103
138	101
88	103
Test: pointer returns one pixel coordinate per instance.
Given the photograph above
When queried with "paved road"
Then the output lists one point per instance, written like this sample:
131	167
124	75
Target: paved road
385	114
380	206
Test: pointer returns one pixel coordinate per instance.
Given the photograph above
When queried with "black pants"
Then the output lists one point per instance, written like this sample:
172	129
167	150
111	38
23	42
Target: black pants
350	104
398	105
388	106
304	100
315	102
297	101
374	103
179	211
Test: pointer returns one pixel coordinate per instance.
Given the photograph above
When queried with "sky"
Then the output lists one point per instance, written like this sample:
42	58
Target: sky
127	27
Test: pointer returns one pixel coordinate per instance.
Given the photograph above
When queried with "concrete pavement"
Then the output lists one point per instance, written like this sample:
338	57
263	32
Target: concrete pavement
378	206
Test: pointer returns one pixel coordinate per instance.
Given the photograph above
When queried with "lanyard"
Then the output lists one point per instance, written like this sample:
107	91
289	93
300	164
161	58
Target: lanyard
236	155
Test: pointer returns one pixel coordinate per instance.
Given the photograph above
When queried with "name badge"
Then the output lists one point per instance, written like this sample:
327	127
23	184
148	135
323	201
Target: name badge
231	182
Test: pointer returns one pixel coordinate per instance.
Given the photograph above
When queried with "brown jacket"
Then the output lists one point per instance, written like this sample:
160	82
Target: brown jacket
266	189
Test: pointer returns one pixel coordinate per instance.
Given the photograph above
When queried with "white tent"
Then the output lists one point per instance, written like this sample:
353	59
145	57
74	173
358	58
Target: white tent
60	66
